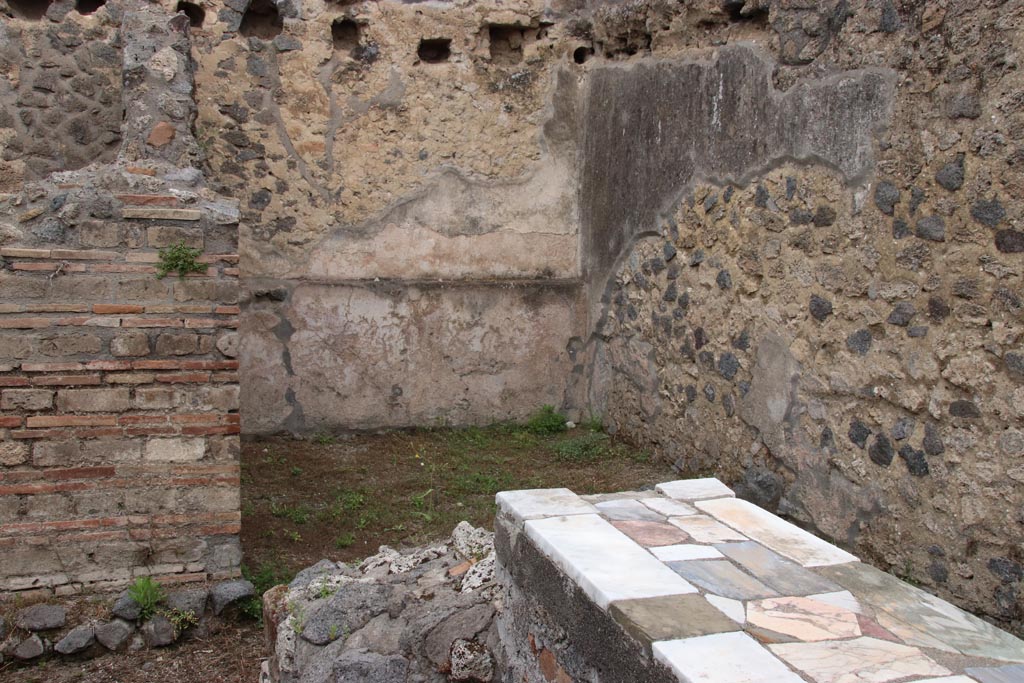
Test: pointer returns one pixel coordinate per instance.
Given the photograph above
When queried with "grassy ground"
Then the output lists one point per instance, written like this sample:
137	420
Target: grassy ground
342	497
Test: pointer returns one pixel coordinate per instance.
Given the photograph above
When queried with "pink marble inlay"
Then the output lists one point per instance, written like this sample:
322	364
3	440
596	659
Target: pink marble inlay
650	534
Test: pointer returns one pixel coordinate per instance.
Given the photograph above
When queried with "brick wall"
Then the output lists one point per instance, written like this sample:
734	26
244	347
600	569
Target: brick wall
118	395
118	389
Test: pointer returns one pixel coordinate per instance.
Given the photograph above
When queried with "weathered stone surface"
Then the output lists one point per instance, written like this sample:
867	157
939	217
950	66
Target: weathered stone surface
228	592
114	634
77	640
159	631
192	600
126	608
41	617
29	648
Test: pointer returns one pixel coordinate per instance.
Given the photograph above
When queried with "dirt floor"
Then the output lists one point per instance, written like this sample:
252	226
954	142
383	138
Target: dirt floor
340	497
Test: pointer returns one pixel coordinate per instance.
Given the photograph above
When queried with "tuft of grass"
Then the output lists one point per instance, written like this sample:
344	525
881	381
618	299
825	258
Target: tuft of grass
148	594
546	421
345	540
592	424
323	439
587	447
298	514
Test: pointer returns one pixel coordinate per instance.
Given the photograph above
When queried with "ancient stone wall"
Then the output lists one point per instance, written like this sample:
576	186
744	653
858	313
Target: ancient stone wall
822	302
118	388
60	88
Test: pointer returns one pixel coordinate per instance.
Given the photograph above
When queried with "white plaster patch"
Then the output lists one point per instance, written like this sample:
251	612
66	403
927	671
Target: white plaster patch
605	563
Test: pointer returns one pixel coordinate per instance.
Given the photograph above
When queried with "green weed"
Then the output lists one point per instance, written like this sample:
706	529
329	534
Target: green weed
147	593
179	258
546	421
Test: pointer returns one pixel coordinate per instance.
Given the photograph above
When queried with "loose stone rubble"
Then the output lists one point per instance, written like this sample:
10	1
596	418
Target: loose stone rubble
43	629
425	615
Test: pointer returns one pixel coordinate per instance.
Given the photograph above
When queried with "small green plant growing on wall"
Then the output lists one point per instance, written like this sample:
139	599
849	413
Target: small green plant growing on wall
182	619
179	258
147	593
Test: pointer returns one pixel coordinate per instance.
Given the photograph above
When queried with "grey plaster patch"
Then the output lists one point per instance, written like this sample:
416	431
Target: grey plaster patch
773	392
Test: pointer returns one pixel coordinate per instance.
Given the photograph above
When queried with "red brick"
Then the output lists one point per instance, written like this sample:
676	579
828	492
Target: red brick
37	434
130	378
185	378
151	322
205	431
220	529
209	365
116	308
10	421
148	199
142	420
227	310
66	380
18	252
231	272
225	377
72	421
80	473
139	170
97	432
57	308
84	254
203	323
233	418
156	365
196	418
24	323
35	489
48	266
51	367
15	382
120	268
109	365
151	431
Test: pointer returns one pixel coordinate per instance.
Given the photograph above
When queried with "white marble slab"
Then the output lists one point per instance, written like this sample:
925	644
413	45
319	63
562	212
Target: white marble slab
537	503
865	660
605	563
694	489
686	551
733	609
628	510
722	658
776	533
669	507
704	529
946	679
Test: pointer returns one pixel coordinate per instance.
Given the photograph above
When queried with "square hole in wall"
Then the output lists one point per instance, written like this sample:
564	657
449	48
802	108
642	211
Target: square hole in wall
344	34
506	43
434	50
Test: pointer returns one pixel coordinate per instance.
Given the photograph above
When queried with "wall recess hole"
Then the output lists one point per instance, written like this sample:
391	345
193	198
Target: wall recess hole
196	14
88	6
32	10
581	54
345	34
506	44
434	50
261	20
